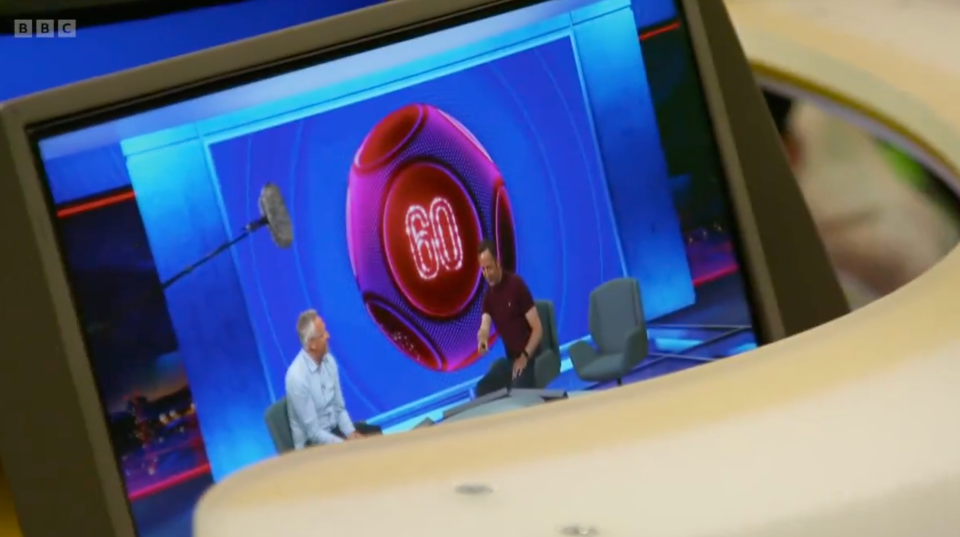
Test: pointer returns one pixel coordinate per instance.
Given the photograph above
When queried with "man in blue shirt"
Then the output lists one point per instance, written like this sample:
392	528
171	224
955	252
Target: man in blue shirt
318	414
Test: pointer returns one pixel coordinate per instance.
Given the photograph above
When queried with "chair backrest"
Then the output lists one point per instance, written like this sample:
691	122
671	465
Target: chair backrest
278	423
615	312
548	321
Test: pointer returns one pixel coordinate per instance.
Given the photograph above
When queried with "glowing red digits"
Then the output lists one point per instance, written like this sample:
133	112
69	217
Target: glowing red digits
422	248
448	244
434	238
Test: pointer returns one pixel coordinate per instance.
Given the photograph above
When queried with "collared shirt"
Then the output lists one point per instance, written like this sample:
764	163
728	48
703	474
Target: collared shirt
507	304
316	401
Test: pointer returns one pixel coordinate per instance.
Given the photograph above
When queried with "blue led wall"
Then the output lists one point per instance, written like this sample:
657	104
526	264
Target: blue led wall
560	102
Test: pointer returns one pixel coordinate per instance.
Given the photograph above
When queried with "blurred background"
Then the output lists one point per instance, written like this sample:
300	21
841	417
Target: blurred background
884	217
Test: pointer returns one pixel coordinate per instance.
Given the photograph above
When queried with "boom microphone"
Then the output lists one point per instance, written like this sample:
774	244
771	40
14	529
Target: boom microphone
273	216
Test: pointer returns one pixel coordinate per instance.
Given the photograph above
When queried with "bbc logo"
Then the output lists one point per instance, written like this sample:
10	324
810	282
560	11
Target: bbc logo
45	28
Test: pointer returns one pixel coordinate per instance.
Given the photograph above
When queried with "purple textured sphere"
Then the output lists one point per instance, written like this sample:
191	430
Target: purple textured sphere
422	194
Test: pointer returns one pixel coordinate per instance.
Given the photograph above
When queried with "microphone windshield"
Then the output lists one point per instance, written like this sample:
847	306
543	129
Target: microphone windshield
274	210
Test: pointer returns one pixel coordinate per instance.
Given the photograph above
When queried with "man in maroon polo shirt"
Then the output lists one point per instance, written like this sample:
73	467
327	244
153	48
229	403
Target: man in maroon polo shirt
508	306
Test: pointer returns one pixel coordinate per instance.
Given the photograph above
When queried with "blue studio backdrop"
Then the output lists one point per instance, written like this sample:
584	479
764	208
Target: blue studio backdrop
556	104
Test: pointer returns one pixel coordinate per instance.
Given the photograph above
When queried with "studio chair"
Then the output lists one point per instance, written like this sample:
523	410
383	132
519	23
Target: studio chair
546	361
619	333
278	423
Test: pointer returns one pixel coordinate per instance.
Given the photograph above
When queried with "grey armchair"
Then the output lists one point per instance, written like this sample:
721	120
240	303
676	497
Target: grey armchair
277	418
547	361
619	333
278	423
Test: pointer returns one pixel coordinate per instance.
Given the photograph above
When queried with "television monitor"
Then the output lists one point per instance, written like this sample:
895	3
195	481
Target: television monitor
592	140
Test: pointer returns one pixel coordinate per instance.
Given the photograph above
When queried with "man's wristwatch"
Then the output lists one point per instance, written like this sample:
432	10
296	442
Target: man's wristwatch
525	354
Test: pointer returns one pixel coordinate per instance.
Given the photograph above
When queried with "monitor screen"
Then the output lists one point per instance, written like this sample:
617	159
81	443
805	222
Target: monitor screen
571	134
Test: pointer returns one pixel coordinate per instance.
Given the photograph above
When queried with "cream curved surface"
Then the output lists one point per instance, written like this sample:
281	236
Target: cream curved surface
849	429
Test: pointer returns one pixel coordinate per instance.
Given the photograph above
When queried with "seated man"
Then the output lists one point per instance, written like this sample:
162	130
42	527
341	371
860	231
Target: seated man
318	414
507	305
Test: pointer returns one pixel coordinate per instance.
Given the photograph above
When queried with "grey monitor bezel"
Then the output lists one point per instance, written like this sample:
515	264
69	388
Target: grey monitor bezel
794	286
55	446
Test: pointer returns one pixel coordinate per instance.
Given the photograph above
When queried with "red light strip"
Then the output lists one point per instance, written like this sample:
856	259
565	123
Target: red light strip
95	204
657	31
139	494
716	275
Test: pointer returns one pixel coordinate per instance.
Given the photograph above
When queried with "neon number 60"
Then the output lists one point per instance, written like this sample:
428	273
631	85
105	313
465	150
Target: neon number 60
434	238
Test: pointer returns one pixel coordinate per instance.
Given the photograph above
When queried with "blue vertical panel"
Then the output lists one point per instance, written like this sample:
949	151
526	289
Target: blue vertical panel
181	212
270	276
619	98
80	175
650	12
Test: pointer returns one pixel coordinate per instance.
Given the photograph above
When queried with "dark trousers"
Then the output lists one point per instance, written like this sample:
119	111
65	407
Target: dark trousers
363	428
501	376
